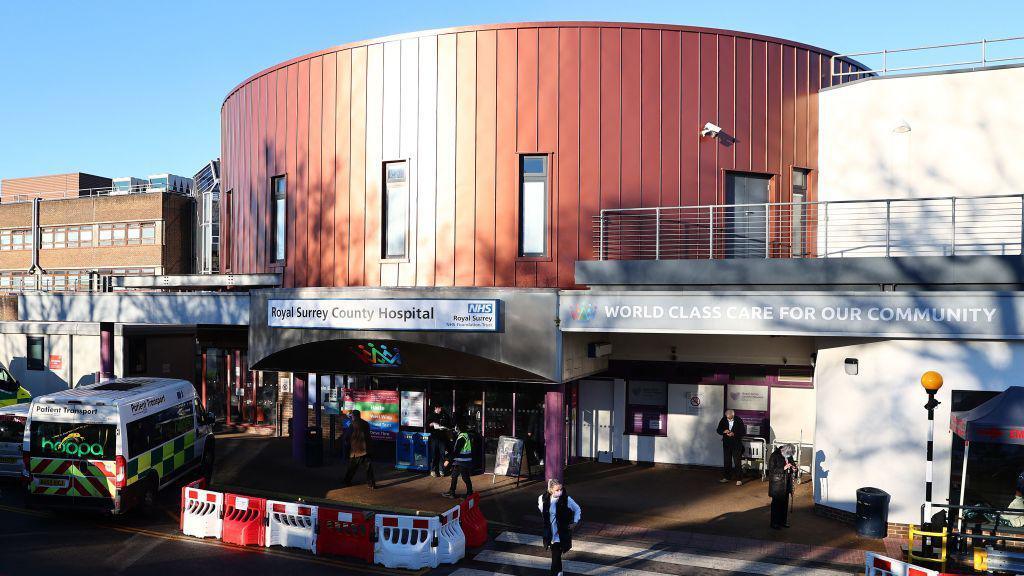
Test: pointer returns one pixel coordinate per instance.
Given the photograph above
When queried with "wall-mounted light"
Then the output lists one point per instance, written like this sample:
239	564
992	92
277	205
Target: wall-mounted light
852	366
901	128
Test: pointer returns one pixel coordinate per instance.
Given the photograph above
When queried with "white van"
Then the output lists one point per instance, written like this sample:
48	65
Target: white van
12	434
113	445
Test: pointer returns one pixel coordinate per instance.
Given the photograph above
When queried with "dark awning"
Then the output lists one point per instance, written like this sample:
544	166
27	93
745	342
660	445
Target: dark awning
998	421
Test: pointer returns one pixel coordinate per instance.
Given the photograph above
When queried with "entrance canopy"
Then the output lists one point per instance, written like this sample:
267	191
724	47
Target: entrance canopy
998	421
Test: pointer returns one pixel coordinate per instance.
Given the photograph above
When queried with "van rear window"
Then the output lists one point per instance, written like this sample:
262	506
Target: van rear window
73	440
12	429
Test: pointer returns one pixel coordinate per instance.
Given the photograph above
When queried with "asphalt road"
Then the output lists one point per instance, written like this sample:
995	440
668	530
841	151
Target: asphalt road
44	542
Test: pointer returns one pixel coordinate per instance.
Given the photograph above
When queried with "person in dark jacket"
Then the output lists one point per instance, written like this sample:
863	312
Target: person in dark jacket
781	469
439	424
359	451
732	431
560	515
461	459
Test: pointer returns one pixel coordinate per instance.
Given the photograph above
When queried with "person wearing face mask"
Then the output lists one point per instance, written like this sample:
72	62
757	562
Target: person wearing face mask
560	515
781	468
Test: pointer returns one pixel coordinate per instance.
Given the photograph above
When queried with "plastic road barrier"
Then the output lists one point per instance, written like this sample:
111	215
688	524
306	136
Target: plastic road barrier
878	565
451	541
474	525
405	541
201	511
345	533
291	525
243	520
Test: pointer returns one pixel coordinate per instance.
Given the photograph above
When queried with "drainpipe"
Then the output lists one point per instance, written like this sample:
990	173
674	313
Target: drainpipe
35	268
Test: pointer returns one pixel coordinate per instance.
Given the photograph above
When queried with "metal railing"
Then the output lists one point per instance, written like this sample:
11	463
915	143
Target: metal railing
984	59
849	228
89	192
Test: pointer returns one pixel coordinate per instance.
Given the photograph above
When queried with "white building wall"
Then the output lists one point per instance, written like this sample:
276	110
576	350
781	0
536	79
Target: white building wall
871	428
77	345
963	141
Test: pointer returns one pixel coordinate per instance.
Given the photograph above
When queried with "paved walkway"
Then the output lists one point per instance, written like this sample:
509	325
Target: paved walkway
649	506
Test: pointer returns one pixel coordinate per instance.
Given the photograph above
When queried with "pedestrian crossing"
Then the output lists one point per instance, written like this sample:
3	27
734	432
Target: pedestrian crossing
523	554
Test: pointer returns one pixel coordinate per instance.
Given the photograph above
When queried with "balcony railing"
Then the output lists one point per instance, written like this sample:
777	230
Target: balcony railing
838	229
954	56
90	192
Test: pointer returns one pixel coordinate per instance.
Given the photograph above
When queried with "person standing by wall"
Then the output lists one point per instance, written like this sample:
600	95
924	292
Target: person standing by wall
359	451
461	458
781	468
732	431
560	515
439	424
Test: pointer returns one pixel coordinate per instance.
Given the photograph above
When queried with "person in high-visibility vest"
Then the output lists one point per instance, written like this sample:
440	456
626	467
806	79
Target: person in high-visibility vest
461	457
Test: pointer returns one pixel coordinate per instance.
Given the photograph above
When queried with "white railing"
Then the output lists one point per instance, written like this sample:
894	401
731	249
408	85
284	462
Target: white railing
983	58
88	192
945	226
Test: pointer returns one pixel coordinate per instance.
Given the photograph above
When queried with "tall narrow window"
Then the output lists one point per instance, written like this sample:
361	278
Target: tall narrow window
799	212
227	230
396	209
278	215
533	206
34	357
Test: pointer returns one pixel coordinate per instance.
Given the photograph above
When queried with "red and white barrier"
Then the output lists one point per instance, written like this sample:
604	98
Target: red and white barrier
451	541
405	541
474	525
202	512
244	520
878	565
291	525
345	533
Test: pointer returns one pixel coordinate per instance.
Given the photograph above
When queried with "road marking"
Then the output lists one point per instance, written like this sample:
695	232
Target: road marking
26	511
678	558
130	553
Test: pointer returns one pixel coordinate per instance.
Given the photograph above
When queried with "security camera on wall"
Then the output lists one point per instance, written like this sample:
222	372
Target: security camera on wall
712	130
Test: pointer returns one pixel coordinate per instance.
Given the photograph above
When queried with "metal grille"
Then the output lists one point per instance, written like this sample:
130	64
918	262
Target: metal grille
842	229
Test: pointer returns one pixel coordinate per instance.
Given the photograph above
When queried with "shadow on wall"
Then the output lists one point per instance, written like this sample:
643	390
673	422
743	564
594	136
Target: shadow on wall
820	477
37	382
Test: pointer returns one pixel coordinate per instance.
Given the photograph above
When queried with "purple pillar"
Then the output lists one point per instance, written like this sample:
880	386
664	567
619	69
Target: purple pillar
106	350
554	431
299	408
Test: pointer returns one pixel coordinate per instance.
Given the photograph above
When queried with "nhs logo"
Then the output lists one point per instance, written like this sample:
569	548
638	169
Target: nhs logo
481	307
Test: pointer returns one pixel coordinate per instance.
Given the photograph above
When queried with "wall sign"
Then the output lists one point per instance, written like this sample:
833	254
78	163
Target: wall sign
412	408
384	314
379	408
964	315
56	361
377	354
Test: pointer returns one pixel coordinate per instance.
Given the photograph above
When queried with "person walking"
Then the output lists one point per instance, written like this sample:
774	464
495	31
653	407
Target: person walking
359	451
781	468
560	515
732	431
440	424
461	458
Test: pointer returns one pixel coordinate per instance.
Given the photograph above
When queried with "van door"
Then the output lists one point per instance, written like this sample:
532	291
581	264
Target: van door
12	433
73	460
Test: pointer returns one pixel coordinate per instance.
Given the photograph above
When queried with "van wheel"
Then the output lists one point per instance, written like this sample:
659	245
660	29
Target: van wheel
147	500
206	468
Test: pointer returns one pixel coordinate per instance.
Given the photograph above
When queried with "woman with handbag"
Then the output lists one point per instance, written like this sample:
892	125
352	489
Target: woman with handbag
560	515
781	468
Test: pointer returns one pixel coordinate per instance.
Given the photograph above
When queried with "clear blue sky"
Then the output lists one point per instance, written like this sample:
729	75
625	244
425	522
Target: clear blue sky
133	88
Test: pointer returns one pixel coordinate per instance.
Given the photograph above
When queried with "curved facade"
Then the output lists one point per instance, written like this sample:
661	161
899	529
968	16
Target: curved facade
616	108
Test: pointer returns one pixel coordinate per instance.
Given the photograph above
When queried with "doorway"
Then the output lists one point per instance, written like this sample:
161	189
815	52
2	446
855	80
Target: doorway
746	216
596	438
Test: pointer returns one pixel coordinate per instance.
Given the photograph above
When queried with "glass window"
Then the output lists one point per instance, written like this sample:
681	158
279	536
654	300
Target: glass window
67	439
12	428
533	206
35	353
279	214
647	408
799	216
396	209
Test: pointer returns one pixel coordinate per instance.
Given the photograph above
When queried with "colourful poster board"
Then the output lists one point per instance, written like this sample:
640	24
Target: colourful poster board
379	408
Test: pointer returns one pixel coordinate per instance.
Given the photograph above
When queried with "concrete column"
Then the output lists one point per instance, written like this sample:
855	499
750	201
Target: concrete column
554	431
202	379
299	416
106	350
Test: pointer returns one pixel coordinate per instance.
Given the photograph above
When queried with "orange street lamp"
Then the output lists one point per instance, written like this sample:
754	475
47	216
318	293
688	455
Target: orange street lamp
931	381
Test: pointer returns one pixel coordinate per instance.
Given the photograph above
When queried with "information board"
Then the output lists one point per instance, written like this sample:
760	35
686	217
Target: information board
379	408
412	408
509	459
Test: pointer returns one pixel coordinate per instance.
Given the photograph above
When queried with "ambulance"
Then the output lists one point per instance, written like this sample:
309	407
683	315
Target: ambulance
112	446
11	391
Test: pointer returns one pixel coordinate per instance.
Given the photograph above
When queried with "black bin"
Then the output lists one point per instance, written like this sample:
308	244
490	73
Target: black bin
314	446
872	512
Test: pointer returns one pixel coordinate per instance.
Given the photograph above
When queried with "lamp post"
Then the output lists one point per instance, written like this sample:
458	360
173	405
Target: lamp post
931	381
